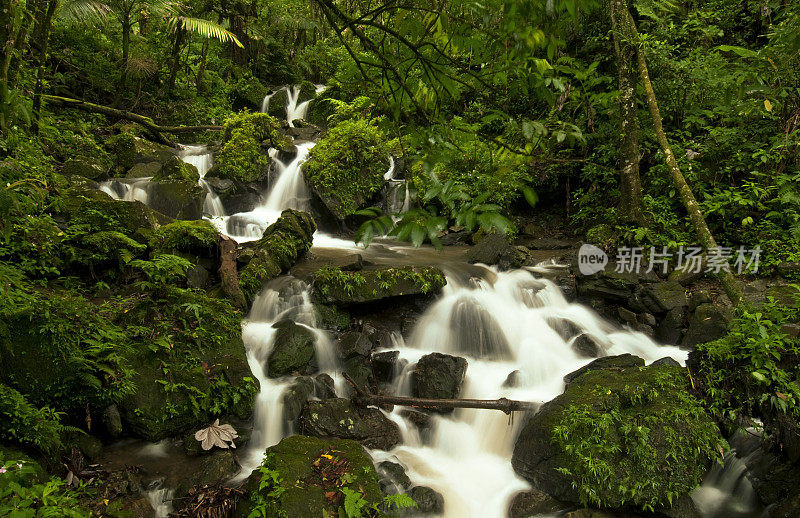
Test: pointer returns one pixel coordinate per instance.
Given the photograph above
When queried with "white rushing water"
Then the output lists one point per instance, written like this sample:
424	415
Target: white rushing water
160	499
203	160
128	189
294	110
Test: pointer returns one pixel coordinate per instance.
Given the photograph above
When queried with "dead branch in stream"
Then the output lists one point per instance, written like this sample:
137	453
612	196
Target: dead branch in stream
154	129
365	397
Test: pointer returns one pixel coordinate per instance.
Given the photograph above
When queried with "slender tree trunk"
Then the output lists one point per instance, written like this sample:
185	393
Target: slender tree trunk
177	45
729	282
126	45
44	36
202	70
630	185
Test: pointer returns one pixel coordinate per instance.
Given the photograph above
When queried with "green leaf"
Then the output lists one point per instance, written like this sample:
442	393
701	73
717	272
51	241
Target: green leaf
530	196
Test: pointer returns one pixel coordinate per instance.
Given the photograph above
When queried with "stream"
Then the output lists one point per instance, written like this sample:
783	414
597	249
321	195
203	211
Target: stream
501	322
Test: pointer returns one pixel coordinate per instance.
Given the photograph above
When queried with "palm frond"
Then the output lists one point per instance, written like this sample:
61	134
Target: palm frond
141	67
84	10
205	28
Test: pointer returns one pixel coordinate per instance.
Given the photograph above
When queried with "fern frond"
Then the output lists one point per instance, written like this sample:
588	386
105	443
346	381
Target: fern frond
84	10
205	28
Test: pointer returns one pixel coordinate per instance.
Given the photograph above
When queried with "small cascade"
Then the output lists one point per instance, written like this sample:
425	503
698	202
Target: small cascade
397	197
128	189
500	322
289	192
202	159
284	298
294	110
160	499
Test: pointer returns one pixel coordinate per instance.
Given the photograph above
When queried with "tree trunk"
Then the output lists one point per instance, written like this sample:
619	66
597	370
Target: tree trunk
630	185
729	282
229	274
126	44
44	38
177	45
202	70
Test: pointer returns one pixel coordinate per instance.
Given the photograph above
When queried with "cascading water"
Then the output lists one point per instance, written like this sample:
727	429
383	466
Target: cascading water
160	499
289	192
293	110
501	322
285	298
202	159
128	189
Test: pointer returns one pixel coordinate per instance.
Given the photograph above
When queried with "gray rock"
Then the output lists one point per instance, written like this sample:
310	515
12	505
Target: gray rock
339	418
295	397
666	361
496	249
669	330
512	380
647	319
112	421
396	474
532	504
587	346
663	296
627	316
383	365
792	330
699	297
352	344
549	244
428	501
324	387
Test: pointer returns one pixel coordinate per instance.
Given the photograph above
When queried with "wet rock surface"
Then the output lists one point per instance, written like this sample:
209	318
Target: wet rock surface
438	376
339	418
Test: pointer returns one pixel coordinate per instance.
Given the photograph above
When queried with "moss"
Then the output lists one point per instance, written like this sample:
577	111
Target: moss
331	317
333	285
346	166
249	91
634	436
185	236
177	169
243	155
283	242
130	149
307	476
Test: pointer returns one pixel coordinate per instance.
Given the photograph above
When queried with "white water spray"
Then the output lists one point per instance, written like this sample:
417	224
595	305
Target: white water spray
202	159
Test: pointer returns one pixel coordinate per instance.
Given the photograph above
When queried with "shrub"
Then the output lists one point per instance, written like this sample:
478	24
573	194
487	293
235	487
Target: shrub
23	423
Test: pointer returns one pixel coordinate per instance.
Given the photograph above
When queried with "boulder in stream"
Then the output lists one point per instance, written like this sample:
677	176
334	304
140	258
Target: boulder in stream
496	248
335	286
292	350
629	436
309	476
339	418
281	245
438	376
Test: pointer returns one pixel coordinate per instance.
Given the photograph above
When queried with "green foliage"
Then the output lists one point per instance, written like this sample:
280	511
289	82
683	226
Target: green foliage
347	165
21	498
23	423
643	440
330	277
163	270
753	370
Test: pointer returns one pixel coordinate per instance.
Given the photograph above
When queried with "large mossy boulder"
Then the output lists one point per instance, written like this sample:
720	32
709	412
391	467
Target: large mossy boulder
88	167
708	322
198	237
243	157
345	169
82	205
281	245
438	376
130	149
176	169
338	417
336	286
308	476
292	350
179	199
248	92
620	437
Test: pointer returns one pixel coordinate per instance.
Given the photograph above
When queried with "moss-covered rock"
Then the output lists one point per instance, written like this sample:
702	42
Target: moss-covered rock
345	169
176	169
622	437
308	476
338	417
281	245
243	156
130	149
248	92
88	167
144	170
293	349
179	199
197	237
335	286
99	211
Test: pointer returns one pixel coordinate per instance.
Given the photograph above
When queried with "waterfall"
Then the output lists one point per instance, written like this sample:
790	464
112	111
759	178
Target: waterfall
294	110
500	322
284	298
289	192
128	189
160	499
202	159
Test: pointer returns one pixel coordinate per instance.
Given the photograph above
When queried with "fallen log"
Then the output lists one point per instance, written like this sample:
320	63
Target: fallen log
505	405
154	129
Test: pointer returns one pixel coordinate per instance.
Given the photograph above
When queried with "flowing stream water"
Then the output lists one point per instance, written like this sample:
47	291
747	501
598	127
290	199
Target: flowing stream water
501	322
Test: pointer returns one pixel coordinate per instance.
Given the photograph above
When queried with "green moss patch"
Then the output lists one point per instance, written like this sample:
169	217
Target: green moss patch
185	236
243	156
333	285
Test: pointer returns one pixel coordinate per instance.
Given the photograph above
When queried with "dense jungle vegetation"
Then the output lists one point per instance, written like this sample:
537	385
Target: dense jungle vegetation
622	124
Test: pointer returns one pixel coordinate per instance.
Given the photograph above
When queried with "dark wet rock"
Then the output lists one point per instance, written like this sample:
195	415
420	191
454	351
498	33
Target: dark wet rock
88	167
627	316
646	319
339	418
615	363
335	286
324	388
661	297
774	480
352	344
645	329
383	365
144	170
281	245
533	503
293	349
587	346
612	286
428	501
699	297
421	420
566	329
295	397
112	422
670	329
298	489
358	368
331	317
197	278
599	404
708	322
396	474
460	237
512	380
438	376
355	264
213	468
497	249
179	199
